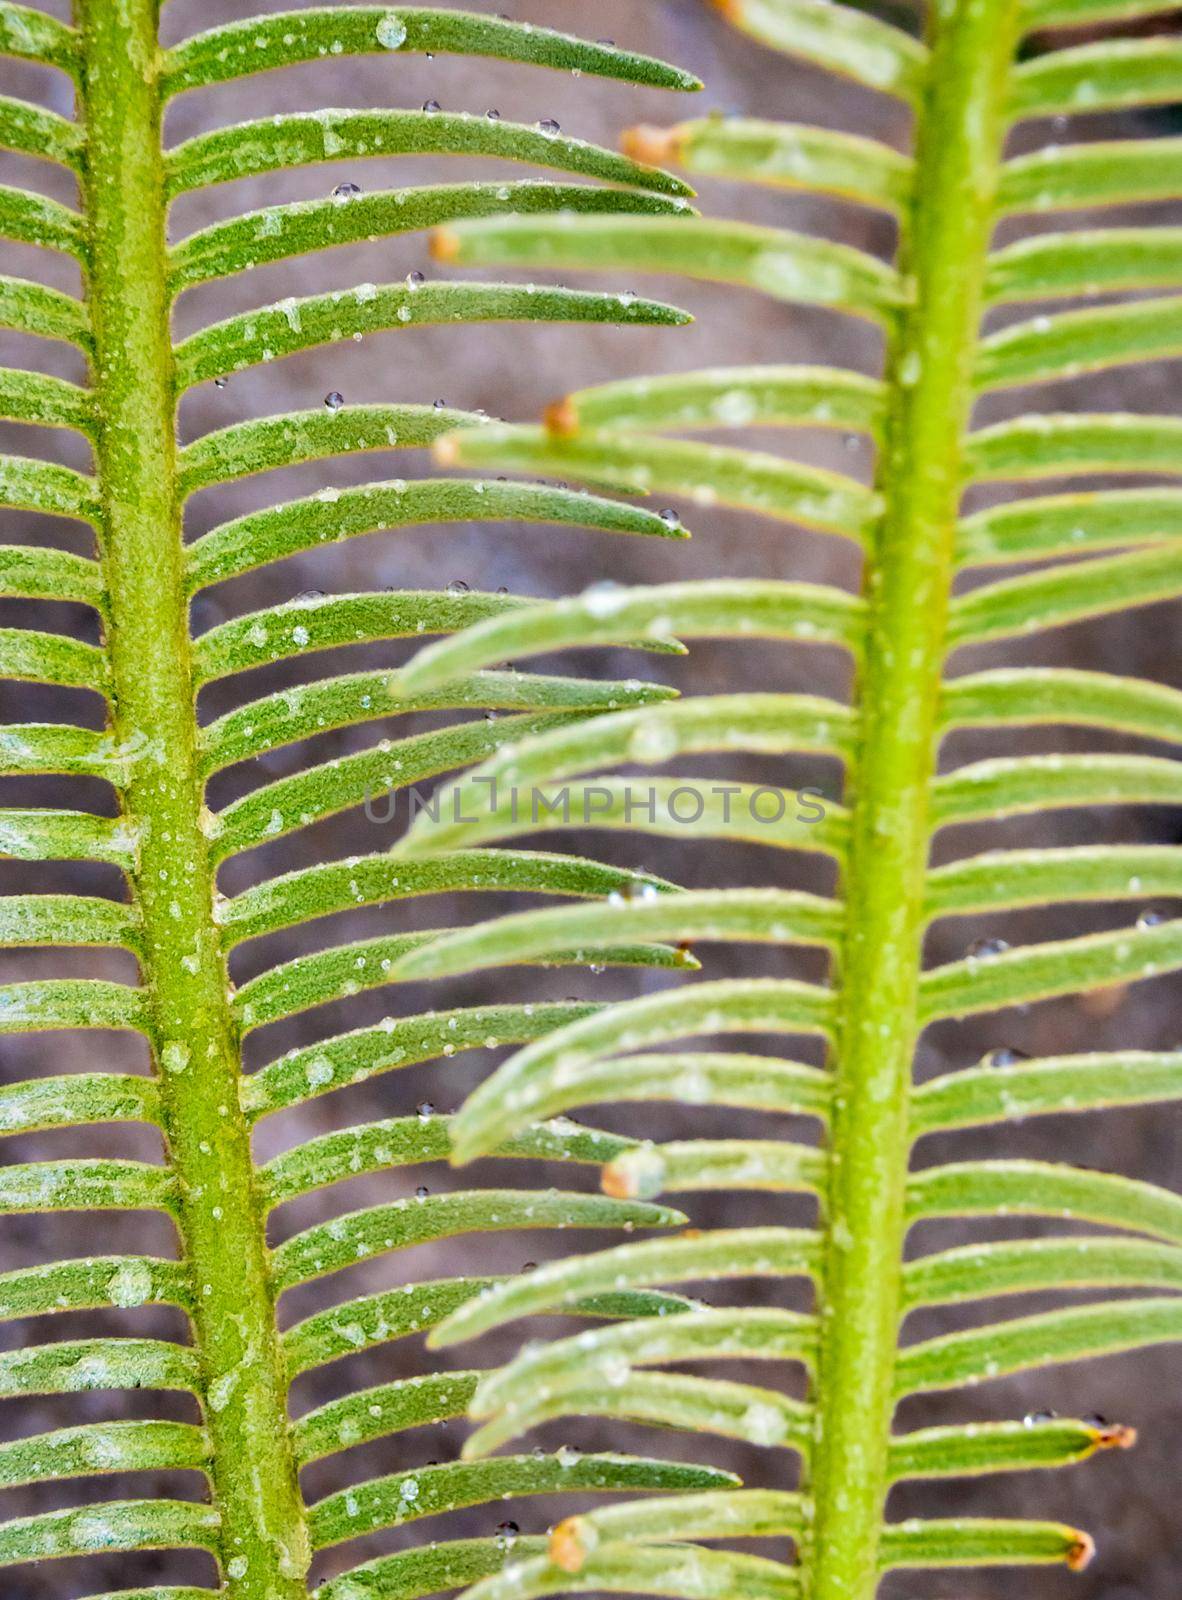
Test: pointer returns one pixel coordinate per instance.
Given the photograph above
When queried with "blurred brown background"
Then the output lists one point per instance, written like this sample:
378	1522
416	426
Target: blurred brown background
1128	1501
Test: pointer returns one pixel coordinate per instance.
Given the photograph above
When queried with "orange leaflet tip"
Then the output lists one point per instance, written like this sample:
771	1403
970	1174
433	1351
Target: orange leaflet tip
619	1182
567	1548
562	417
445	245
656	147
1080	1551
446	451
1115	1437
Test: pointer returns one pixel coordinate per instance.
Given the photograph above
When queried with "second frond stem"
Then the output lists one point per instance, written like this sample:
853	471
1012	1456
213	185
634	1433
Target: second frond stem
959	139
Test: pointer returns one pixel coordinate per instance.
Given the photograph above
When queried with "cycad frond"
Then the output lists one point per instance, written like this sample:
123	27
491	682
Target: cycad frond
928	591
144	745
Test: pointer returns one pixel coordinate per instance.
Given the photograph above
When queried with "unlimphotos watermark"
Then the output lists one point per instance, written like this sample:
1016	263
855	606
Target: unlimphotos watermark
671	804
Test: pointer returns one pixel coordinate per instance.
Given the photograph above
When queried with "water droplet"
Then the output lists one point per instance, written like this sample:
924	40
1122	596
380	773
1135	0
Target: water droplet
221	383
422	1192
1151	919
391	32
608	44
334	400
308	597
425	1109
1004	1056
986	949
549	127
851	441
507	1533
641	891
432	106
1038	1419
458	586
493	114
346	191
1093	1419
603	598
415	280
669	517
439	405
529	1266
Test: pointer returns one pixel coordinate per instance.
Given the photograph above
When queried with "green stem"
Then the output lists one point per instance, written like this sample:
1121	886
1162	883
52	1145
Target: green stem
264	1540
960	133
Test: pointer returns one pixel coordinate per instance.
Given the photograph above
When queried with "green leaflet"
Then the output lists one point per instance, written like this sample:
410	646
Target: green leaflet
409	1141
103	1447
745	1514
522	1090
265	443
34	219
381	1503
782	155
30	307
1120	72
278	808
788	266
402	1223
31	130
728	397
30	485
397	1042
395	1314
30	35
81	1098
284	329
282	231
77	1366
119	1525
1049	446
609	613
1072	343
732	1410
1025	1343
1106	172
620	1569
718	1255
771	723
49	402
756	914
31	574
1000	1447
969	1542
261	43
303	138
373	880
307	709
266	536
979	1271
343	971
847	42
1068	1083
709	474
123	1281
